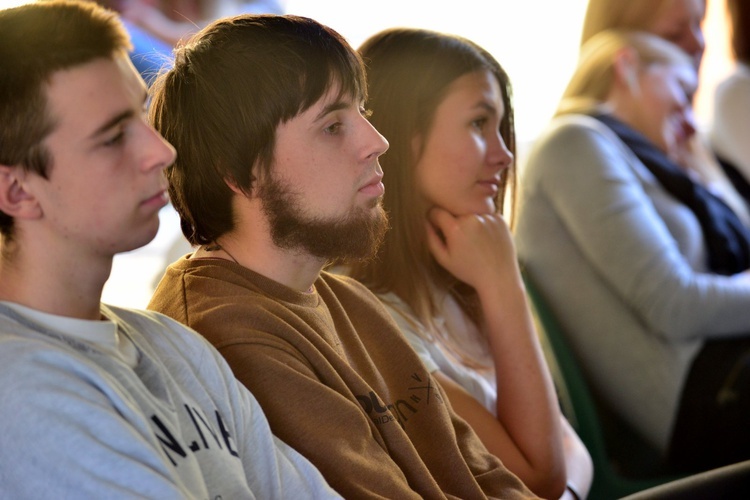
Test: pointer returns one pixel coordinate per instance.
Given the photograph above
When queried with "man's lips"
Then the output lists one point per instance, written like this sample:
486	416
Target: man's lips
160	199
374	186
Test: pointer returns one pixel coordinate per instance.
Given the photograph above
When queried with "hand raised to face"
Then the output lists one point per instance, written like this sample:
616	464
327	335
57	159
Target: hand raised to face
476	249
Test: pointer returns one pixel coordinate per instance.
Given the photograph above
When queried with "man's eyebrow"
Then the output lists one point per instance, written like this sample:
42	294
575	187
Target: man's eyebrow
112	123
117	119
334	106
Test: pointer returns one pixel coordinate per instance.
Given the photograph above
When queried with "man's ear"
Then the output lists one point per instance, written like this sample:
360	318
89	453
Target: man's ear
231	184
258	177
15	198
627	65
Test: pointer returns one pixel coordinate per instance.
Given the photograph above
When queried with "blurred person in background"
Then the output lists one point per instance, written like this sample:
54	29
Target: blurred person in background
730	124
643	265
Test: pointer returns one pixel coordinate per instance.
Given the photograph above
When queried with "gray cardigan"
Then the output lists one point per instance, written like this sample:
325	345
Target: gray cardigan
623	265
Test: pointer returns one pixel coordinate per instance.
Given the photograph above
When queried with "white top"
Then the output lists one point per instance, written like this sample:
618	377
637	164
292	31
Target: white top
452	323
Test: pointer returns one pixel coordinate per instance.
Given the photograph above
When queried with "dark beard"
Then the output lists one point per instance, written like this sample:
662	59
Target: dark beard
354	237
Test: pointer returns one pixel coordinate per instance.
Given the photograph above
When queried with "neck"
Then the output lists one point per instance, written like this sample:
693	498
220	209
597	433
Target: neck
250	245
294	269
53	285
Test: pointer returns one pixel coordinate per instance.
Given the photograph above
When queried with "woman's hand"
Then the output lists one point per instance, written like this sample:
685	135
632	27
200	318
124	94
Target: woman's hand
476	249
479	250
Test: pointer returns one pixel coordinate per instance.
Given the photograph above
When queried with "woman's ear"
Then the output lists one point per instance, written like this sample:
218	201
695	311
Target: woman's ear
627	65
15	199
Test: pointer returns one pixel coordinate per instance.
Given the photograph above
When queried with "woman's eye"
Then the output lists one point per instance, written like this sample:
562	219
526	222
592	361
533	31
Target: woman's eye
116	139
479	123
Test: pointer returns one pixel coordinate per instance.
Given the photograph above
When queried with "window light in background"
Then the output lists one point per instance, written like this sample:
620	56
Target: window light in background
536	41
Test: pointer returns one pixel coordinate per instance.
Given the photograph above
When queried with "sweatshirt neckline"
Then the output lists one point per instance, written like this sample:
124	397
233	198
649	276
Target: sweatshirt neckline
256	280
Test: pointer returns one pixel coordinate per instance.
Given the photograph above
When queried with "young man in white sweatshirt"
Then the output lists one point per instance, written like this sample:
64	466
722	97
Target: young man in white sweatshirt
98	401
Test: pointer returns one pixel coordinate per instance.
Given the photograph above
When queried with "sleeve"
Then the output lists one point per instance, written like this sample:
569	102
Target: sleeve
62	433
412	330
272	468
494	479
589	179
313	418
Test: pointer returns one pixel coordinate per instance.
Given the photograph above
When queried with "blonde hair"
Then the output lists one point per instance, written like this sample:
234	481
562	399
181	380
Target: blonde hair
626	15
593	77
592	81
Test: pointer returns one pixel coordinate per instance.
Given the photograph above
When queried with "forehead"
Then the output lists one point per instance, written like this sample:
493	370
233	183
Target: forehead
334	98
83	98
478	88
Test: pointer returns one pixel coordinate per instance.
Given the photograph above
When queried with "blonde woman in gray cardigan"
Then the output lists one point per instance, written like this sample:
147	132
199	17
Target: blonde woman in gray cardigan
643	265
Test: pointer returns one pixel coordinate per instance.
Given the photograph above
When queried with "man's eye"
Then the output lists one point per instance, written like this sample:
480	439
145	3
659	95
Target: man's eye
333	129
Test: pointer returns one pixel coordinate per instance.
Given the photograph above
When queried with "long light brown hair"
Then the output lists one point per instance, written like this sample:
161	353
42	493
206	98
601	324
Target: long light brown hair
409	72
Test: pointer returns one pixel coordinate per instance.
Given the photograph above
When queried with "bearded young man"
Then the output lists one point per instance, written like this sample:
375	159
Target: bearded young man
278	175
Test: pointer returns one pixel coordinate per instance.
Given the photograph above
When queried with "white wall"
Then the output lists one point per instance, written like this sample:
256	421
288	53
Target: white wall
536	41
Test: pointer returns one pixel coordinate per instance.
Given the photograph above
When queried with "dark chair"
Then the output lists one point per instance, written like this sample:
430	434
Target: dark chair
731	482
614	448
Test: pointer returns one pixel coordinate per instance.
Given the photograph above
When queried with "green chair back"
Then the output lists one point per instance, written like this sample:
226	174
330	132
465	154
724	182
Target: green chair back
601	433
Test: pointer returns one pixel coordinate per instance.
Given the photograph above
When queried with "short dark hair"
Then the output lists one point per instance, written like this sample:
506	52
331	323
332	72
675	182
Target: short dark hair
231	86
37	40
